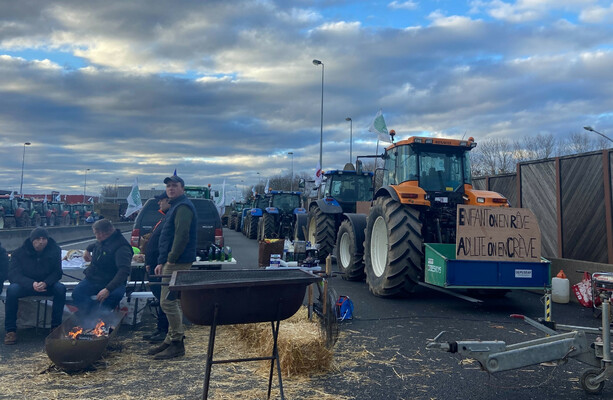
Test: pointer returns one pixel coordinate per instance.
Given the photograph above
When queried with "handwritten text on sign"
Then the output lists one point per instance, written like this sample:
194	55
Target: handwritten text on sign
497	233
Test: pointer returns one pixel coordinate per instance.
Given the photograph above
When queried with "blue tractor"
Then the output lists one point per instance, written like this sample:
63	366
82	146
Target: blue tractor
279	218
253	214
342	192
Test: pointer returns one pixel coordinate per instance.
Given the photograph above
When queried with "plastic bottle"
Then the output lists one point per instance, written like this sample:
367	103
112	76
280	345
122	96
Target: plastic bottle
560	288
229	253
212	253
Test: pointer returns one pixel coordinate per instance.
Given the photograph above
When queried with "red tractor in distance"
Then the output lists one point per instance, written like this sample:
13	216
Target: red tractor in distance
11	214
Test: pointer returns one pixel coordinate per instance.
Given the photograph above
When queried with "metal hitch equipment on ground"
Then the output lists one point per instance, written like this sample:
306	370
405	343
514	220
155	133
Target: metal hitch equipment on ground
497	356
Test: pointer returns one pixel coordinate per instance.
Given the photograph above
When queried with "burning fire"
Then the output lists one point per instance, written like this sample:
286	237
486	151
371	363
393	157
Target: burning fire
74	332
99	330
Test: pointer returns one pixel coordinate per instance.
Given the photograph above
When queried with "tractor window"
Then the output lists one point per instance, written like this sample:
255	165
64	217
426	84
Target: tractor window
406	164
389	175
350	187
286	202
262	202
441	171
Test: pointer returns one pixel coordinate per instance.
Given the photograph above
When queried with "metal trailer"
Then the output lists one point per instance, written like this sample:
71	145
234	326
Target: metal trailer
497	356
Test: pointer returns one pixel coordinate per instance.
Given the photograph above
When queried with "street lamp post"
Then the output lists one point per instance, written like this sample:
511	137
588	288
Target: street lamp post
23	159
589	128
350	138
85	185
291	153
321	129
116	180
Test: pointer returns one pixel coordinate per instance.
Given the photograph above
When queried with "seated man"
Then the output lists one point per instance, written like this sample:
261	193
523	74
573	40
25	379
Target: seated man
35	270
105	279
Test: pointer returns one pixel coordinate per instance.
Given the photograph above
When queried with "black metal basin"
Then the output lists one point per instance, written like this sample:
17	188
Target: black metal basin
242	296
77	354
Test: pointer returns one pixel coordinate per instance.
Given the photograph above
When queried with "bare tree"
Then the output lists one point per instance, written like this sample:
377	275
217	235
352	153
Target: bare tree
108	192
535	147
579	142
493	156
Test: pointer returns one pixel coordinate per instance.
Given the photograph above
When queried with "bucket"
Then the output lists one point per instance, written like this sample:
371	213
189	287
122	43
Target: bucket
560	290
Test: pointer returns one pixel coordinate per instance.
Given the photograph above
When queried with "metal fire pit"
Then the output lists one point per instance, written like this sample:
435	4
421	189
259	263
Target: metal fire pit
238	297
77	354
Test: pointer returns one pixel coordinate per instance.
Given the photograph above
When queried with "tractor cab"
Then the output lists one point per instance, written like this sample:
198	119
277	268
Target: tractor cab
345	188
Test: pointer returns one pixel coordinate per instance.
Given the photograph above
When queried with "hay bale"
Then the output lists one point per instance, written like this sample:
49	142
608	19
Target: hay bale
302	351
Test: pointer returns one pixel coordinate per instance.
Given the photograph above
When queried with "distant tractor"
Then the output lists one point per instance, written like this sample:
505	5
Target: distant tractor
58	214
234	219
279	218
11	214
254	213
341	193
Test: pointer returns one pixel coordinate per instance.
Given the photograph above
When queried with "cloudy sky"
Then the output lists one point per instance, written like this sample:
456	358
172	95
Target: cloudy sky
225	89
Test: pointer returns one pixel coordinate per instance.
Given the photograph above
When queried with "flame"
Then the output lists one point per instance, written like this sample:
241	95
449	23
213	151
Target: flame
74	332
99	329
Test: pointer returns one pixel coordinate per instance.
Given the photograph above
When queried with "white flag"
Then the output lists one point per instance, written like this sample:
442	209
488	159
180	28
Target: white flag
12	196
45	200
58	198
253	190
319	176
378	126
91	200
134	201
221	206
267	188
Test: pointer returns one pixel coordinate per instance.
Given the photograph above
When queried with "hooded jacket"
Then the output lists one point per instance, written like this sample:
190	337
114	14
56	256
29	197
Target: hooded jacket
111	261
28	266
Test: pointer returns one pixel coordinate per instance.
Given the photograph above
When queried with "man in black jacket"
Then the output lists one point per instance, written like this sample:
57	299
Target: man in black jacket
105	279
35	270
152	253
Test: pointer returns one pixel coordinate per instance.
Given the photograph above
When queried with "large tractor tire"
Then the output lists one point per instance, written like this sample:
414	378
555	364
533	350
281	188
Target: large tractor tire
237	223
252	230
349	253
393	248
300	227
23	221
66	220
267	227
322	231
231	220
37	220
246	223
10	222
51	220
2	222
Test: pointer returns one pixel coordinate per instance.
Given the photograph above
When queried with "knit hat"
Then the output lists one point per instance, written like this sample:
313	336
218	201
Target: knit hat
38	233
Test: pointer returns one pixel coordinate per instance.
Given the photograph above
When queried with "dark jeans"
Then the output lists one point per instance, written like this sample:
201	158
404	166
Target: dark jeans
83	292
16	291
162	324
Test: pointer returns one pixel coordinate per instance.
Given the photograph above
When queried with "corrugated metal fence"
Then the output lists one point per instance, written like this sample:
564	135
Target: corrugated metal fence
571	198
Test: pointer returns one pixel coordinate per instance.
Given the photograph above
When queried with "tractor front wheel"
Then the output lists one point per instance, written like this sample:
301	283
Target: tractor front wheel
349	260
252	231
393	248
322	231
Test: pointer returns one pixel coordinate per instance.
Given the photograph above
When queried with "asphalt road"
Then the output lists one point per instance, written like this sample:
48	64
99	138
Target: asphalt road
381	353
395	332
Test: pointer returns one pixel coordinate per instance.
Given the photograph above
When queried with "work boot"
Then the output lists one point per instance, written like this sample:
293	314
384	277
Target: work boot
158	349
152	334
10	338
158	337
176	349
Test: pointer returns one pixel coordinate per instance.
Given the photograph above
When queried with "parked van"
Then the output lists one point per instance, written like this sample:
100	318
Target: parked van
209	223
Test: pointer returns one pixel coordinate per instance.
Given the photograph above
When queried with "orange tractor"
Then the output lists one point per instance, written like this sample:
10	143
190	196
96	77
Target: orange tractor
424	180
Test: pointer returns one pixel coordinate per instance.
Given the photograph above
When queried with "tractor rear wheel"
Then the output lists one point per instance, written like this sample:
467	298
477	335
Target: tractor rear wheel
349	260
252	231
322	231
246	224
23	221
393	248
2	222
237	223
300	227
37	221
10	222
51	220
66	220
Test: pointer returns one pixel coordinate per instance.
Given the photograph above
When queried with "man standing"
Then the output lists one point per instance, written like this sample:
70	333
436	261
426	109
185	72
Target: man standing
152	252
105	279
177	248
35	270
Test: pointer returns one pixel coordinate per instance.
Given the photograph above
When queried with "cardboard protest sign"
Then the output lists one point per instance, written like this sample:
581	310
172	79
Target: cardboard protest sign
497	234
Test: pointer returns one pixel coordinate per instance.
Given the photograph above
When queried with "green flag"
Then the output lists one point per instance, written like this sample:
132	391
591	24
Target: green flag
378	126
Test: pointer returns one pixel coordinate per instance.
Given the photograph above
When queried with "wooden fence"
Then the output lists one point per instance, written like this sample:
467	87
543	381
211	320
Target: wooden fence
571	198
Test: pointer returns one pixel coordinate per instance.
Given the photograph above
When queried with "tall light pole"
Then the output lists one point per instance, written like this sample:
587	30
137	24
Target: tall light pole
23	159
291	153
321	129
589	128
116	180
85	185
350	138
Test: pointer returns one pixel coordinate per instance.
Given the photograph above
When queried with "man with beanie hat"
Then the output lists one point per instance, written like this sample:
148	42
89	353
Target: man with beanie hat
35	270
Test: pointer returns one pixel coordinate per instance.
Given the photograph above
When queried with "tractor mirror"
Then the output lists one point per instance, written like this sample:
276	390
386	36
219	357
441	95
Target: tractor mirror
301	183
358	166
